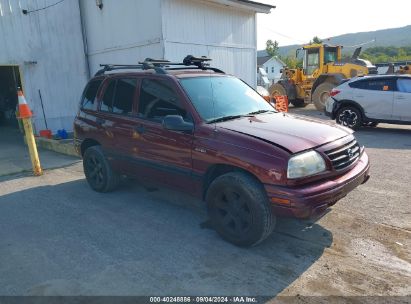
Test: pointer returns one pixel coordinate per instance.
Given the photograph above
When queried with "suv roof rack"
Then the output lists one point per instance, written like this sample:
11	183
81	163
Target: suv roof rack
161	66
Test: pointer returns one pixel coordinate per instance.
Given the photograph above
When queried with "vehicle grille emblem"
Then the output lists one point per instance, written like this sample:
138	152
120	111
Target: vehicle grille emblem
350	153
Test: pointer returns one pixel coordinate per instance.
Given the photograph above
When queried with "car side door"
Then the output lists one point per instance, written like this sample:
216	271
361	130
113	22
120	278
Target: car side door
402	100
164	154
117	121
375	96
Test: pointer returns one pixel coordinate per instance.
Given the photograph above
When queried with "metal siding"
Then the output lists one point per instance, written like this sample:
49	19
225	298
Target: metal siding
227	35
52	37
125	31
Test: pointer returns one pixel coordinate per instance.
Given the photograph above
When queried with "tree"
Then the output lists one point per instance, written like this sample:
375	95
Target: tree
316	40
272	48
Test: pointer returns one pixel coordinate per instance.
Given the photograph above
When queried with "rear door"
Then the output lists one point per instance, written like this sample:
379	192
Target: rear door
376	96
117	121
165	155
402	100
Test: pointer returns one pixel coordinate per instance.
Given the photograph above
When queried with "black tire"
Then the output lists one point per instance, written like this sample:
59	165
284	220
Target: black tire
277	90
239	209
321	94
298	103
349	117
99	174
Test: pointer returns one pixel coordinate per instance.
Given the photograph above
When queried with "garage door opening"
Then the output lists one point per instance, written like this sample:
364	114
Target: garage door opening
9	82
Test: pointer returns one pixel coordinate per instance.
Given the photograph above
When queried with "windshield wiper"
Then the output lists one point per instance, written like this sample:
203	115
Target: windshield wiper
225	118
260	112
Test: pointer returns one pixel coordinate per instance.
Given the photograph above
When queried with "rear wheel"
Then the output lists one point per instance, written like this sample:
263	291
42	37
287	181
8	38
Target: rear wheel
277	90
99	174
349	117
239	209
321	94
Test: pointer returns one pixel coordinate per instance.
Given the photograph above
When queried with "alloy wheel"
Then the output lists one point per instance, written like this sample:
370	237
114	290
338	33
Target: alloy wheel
348	118
233	212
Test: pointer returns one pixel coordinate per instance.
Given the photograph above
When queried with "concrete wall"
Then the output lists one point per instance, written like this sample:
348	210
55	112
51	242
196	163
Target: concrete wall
52	38
225	34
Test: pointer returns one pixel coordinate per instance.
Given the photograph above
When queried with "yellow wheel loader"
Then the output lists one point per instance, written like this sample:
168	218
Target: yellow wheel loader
322	70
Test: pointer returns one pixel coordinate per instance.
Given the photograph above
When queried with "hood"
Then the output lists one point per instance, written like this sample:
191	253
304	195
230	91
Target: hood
292	132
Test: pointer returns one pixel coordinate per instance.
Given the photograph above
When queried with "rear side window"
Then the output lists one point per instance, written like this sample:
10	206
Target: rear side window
374	84
119	96
124	96
158	99
89	98
404	85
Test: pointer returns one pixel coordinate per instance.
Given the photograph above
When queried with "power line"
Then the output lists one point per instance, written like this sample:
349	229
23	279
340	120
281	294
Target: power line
25	12
283	35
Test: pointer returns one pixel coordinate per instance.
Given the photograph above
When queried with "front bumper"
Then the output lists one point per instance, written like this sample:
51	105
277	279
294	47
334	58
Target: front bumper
314	199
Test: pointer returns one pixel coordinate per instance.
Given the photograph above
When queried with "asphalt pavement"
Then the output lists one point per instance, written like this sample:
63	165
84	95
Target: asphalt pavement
58	237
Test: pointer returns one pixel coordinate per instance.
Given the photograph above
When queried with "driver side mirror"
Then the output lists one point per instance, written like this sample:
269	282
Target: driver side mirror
177	123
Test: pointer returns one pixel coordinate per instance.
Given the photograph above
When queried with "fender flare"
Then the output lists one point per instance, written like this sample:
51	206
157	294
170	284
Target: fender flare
347	102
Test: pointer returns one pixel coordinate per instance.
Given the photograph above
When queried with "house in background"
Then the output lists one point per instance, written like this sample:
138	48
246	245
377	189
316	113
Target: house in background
272	66
52	50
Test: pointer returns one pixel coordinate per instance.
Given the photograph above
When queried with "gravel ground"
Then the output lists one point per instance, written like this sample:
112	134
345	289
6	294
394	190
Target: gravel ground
61	238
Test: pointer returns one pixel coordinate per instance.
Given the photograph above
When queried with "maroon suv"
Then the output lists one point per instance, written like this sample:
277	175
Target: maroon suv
209	134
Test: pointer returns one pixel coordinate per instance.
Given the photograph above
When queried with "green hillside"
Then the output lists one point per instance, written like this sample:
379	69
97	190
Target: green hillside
397	37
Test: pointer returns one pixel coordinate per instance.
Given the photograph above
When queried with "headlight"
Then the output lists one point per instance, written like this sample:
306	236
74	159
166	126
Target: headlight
305	164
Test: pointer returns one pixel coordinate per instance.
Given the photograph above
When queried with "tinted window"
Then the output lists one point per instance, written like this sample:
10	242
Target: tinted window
404	85
124	96
90	93
158	99
107	102
374	84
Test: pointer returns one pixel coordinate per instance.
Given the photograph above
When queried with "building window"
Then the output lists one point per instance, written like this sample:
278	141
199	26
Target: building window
266	70
272	69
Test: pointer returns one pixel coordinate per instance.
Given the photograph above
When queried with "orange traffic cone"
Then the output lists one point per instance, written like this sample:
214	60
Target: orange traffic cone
24	109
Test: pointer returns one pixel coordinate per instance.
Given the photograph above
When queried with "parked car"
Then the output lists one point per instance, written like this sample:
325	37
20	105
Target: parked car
370	100
211	135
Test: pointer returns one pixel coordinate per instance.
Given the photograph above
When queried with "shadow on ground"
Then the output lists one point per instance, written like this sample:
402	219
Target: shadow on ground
385	138
68	240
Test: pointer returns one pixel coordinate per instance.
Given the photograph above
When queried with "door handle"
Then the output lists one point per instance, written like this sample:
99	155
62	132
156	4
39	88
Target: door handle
100	121
140	129
400	97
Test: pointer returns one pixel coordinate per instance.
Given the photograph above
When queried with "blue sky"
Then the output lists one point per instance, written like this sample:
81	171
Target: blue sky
297	21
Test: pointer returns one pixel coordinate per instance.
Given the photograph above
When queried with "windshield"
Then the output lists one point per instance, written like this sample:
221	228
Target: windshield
218	97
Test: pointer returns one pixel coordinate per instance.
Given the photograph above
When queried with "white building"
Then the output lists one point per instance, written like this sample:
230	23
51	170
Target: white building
58	45
272	66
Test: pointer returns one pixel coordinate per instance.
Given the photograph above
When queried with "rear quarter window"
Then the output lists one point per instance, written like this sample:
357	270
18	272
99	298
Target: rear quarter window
374	84
88	101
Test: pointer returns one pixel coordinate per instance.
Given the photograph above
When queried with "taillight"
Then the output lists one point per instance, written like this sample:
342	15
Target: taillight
334	92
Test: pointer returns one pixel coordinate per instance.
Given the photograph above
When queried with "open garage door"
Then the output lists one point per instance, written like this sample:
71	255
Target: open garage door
9	82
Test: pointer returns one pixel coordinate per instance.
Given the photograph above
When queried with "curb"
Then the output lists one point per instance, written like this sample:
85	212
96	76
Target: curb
63	146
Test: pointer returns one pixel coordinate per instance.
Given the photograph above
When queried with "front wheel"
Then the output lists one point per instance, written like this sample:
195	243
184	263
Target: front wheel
321	94
349	117
239	209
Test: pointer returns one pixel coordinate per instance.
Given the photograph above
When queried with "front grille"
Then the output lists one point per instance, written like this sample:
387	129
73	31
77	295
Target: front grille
345	155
